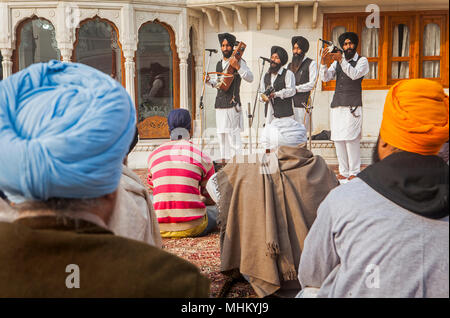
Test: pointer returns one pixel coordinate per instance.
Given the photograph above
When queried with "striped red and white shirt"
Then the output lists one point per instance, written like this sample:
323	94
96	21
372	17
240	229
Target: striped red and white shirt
178	173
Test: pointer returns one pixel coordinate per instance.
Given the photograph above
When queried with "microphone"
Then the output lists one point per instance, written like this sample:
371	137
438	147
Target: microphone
211	50
327	42
265	59
331	47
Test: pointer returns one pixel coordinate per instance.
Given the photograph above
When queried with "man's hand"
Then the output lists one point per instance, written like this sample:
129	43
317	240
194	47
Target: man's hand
272	95
235	63
325	56
337	56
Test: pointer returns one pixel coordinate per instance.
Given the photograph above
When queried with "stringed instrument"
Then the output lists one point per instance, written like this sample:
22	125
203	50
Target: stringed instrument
226	81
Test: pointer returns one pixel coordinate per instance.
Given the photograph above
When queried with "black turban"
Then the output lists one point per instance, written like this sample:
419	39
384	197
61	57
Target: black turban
348	35
282	54
302	43
227	36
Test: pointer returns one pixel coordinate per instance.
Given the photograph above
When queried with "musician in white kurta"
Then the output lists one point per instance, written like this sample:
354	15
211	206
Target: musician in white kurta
229	119
346	107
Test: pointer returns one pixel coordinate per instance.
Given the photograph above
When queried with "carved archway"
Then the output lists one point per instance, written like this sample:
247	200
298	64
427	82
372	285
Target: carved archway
115	36
152	118
48	26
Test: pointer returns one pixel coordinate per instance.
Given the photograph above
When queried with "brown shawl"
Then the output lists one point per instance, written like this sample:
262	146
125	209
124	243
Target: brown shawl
266	209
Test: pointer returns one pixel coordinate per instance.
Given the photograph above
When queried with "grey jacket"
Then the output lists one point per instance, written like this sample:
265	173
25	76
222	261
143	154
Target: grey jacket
364	245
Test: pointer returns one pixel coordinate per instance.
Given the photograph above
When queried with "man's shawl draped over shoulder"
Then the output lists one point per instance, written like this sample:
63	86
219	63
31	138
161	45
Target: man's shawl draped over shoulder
264	217
64	131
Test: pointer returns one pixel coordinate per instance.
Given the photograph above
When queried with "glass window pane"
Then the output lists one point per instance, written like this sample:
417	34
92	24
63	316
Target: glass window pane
432	40
431	69
400	41
336	32
154	72
373	71
98	47
37	43
369	42
400	70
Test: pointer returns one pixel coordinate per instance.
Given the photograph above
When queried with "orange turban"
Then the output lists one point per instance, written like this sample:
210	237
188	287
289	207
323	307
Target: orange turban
415	116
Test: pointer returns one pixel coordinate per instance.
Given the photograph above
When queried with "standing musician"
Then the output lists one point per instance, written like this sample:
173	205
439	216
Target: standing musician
278	86
305	71
346	112
229	120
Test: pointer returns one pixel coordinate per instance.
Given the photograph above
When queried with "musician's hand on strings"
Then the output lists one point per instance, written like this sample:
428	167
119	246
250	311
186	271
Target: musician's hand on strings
272	95
208	78
235	63
326	56
337	56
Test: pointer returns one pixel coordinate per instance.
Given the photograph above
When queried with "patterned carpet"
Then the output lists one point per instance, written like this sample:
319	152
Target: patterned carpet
204	252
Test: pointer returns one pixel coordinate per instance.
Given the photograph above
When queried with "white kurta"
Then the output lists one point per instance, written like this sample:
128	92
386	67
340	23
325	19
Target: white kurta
286	92
345	125
300	114
228	120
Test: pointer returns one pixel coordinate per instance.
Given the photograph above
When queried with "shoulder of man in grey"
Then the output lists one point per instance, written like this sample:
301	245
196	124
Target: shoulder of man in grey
379	248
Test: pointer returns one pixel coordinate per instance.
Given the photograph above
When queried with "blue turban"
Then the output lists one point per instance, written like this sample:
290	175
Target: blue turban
179	118
65	129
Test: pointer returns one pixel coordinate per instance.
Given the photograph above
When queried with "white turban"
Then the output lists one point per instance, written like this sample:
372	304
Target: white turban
283	132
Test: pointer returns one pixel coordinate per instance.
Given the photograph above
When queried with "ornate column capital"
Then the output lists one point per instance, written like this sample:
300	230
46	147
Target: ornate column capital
7	62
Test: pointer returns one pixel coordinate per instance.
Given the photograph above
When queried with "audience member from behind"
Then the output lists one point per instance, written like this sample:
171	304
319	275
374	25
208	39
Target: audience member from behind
178	173
267	205
386	232
134	216
67	128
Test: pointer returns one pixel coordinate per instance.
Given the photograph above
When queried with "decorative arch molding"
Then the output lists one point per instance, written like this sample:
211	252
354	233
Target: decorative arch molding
194	23
109	15
18	16
156	127
17	30
113	25
172	20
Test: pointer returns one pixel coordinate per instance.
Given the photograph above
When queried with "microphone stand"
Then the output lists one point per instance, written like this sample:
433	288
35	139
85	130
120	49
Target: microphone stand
257	91
251	117
201	106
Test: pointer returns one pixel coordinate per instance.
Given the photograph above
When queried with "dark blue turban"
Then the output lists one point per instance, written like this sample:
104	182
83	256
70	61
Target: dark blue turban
179	118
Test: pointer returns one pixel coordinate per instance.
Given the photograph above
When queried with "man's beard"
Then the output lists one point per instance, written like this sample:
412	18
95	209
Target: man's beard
375	154
227	54
274	67
349	53
297	61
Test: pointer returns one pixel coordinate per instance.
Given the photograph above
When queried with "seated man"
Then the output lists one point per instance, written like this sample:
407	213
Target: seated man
178	173
134	216
67	128
266	207
386	233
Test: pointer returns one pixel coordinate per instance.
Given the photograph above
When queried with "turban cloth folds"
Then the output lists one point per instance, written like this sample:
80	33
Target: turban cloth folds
348	35
179	118
415	116
65	129
283	132
302	43
282	54
231	39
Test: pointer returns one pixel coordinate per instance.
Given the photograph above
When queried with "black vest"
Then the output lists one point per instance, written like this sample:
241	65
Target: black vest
348	92
281	107
224	99
301	77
